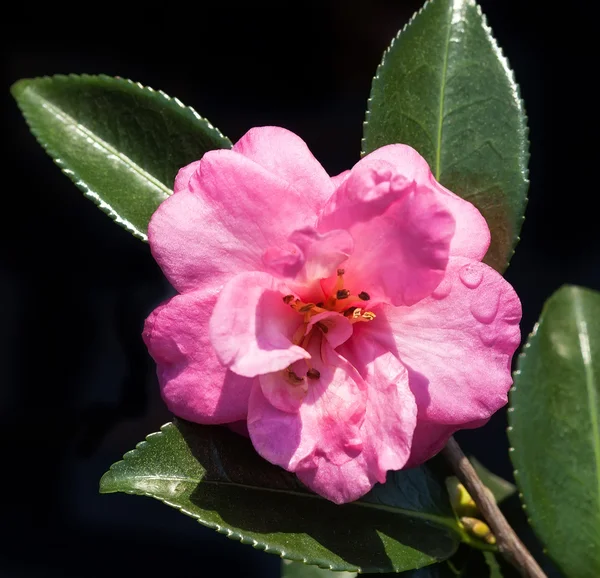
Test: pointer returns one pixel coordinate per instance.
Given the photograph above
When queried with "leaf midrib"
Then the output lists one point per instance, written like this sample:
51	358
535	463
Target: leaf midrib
586	355
108	149
438	150
446	522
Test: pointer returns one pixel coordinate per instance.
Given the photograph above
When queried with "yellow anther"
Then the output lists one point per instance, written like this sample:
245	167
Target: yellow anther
368	316
350	311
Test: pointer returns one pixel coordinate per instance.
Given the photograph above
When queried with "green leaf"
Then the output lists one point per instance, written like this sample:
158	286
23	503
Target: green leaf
555	430
445	88
500	487
291	569
216	476
492	562
121	143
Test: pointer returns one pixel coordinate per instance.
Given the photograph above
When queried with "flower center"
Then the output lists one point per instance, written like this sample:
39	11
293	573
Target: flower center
340	301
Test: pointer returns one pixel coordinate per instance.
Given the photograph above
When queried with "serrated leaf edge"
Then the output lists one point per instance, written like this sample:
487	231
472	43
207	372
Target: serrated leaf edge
81	185
514	85
240	537
512	409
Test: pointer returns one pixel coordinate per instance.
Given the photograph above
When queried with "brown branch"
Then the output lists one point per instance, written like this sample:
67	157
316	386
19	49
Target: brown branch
509	544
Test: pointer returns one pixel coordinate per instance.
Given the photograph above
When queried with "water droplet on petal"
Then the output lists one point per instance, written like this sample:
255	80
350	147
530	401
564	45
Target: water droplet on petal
471	276
485	307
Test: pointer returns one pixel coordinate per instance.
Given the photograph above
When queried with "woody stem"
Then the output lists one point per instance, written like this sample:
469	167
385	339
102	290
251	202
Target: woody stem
509	544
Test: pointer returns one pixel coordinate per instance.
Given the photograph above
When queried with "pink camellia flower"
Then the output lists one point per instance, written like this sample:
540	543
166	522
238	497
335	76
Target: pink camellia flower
348	320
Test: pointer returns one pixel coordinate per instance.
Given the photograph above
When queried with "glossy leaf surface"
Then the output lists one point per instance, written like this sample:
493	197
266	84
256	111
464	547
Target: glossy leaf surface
216	477
444	88
555	430
121	143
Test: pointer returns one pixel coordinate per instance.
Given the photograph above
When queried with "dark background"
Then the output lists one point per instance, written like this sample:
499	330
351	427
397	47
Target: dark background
78	386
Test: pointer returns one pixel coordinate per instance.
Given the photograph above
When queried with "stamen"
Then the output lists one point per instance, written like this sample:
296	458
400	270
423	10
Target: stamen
341	272
342	294
350	311
322	326
306	308
288	299
293	378
364	296
357	314
313	373
299	335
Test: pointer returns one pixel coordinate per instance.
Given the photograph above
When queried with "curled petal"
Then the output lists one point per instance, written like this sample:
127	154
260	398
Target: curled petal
387	429
472	236
309	256
325	429
251	328
194	384
472	315
364	193
401	233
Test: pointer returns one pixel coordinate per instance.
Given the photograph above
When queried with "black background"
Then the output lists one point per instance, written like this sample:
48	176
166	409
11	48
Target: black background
78	389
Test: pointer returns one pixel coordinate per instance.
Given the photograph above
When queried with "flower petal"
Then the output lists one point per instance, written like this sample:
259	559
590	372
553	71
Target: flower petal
326	428
472	236
194	384
286	155
400	256
401	233
221	224
307	258
386	432
391	414
251	327
339	179
182	180
457	345
365	192
335	327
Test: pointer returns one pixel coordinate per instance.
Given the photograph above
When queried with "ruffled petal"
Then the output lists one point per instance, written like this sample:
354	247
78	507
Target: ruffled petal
401	233
286	155
391	414
308	257
387	430
251	328
457	345
325	429
230	213
194	384
364	193
472	236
